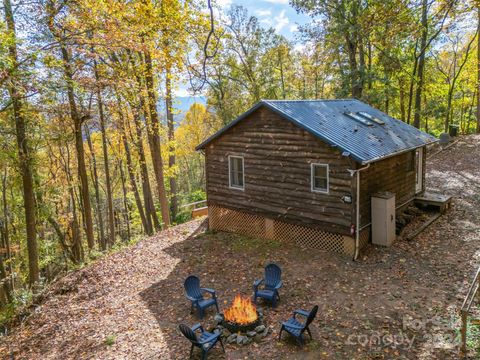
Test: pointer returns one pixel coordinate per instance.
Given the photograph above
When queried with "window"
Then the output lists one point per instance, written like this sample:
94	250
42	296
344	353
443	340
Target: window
320	178
235	170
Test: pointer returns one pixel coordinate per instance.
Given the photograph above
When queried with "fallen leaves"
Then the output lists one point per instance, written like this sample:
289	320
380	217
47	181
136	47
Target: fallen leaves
128	305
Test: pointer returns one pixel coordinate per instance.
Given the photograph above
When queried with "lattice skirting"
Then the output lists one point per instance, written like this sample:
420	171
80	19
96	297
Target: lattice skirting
364	237
258	226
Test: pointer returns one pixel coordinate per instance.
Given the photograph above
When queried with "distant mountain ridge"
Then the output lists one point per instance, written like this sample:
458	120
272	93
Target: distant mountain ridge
181	104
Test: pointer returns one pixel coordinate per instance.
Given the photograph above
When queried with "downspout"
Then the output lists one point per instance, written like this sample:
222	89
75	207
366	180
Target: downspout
357	210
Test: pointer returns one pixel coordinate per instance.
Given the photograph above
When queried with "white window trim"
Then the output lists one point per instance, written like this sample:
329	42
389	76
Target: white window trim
312	178
236	187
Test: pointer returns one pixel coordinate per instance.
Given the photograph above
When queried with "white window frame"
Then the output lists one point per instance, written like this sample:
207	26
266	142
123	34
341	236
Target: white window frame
236	187
312	178
418	168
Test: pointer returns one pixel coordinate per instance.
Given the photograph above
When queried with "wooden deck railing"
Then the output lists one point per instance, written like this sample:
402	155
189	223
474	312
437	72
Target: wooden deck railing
195	204
197	208
472	295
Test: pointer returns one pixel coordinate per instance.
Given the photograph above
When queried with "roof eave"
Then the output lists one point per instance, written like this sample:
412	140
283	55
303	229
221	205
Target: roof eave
383	157
271	106
229	126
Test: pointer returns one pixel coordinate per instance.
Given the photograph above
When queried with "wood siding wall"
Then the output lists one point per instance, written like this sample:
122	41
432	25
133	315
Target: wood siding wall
391	174
277	157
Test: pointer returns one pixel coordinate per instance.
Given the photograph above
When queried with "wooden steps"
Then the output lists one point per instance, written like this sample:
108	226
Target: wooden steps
441	202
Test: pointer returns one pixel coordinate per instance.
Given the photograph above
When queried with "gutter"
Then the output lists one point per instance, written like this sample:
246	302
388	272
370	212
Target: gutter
357	209
382	157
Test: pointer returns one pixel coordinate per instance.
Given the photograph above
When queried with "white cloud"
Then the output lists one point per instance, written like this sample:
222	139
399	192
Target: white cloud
267	22
299	47
294	28
182	92
263	12
280	21
282	2
223	3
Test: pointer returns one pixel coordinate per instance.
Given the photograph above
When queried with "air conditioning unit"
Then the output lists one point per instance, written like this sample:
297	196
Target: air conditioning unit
383	218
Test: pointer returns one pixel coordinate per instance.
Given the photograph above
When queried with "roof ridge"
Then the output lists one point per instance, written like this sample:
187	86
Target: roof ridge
305	100
326	120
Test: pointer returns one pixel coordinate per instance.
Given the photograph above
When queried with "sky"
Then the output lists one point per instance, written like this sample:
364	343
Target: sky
277	14
271	13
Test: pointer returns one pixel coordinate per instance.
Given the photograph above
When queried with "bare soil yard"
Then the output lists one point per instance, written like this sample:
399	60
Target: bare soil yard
395	303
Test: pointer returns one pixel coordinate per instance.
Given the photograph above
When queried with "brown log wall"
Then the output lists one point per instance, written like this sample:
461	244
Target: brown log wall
277	157
391	174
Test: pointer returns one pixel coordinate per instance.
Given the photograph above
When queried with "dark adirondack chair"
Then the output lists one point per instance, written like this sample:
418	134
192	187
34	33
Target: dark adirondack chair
205	341
194	293
271	283
297	328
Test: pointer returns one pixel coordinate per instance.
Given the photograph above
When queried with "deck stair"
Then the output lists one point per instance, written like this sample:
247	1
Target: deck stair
439	201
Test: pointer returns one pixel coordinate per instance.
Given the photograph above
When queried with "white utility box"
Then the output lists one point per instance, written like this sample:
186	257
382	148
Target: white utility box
383	218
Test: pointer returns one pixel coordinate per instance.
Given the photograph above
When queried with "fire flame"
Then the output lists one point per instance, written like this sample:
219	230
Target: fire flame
241	312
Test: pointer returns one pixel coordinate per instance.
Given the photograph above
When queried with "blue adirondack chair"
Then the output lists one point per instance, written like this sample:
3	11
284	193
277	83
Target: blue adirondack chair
194	293
271	283
205	341
297	328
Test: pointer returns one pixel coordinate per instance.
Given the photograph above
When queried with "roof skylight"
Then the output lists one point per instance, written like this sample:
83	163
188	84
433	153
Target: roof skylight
371	117
359	118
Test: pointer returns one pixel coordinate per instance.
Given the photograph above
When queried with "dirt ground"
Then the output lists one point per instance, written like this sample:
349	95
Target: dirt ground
395	303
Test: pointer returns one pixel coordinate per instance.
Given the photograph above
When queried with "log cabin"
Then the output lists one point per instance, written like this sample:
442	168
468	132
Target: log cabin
307	170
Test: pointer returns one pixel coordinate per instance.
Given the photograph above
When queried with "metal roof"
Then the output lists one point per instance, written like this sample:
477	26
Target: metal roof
328	121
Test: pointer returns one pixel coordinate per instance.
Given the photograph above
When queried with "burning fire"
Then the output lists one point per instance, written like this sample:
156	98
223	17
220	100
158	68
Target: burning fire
241	312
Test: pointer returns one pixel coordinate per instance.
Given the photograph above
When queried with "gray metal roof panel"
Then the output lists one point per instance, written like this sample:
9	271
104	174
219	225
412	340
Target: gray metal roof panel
326	120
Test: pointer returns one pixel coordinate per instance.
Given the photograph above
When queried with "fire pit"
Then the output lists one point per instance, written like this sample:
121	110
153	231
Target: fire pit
241	323
242	316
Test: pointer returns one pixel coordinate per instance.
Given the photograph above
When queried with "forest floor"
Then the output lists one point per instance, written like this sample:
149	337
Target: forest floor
395	303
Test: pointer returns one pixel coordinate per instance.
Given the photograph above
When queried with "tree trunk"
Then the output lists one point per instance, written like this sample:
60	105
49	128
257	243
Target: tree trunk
478	70
74	246
131	175
4	280
462	114
24	156
426	114
151	214
412	83
402	102
451	89
470	111
82	174
352	60
421	66
361	70
125	202
155	149
6	219
6	271
108	185
77	122
449	109
171	141
102	240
